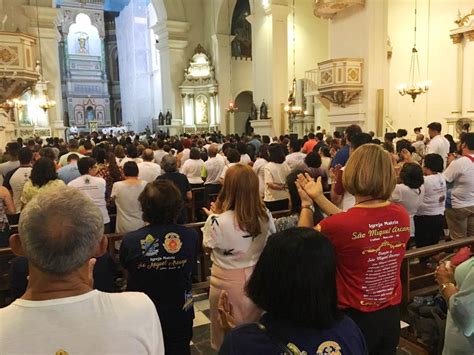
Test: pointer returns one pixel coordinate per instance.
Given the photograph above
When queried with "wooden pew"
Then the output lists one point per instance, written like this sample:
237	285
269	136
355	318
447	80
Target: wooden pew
417	281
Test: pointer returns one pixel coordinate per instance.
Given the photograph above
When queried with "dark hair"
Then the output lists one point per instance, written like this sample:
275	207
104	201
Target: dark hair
87	145
401	132
313	160
404	144
98	153
276	277
337	134
325	151
242	148
112	167
311	136
25	155
72	156
132	151
130	169
320	136
233	155
434	162
47	152
293	190
417	129
265	139
85	164
263	152
468	139
276	153
411	175
43	171
161	202
195	154
360	139
352	130
295	145
435	126
73	144
452	144
390	136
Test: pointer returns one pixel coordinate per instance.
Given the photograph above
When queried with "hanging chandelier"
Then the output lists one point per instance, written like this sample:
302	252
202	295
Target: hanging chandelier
42	85
291	108
231	108
414	88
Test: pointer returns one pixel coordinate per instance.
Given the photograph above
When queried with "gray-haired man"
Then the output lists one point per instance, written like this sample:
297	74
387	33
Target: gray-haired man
60	232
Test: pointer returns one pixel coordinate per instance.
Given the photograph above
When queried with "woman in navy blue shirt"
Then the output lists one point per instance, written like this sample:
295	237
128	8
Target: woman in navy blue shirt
294	281
159	259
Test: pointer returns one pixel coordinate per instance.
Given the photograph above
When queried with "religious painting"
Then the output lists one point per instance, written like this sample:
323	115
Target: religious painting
242	30
24	116
90	115
202	109
82	45
79	115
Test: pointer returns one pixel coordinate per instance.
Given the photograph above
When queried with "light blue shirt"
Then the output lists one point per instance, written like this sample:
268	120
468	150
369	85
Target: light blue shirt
68	173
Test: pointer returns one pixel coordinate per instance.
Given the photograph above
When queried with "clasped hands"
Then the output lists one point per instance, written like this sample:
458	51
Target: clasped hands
444	273
309	190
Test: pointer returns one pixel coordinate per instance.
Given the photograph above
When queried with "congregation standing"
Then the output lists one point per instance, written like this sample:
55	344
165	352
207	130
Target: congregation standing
341	194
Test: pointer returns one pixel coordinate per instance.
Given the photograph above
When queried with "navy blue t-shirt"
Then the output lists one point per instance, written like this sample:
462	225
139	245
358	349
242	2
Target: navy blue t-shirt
341	157
344	338
159	261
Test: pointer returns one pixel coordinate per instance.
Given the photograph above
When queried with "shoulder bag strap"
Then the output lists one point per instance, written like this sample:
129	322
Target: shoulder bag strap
281	345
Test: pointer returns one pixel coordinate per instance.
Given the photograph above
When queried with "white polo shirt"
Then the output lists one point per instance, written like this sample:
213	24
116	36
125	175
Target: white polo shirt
439	145
461	172
83	324
148	171
214	167
435	196
17	181
94	187
192	169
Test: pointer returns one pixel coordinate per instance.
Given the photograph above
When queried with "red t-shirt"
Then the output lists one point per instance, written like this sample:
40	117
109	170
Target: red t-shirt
309	146
370	243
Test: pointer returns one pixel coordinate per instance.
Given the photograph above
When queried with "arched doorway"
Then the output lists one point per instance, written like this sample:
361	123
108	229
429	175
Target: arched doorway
243	101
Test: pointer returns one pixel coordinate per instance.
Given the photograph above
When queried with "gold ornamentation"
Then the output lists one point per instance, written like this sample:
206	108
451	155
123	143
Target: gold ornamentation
469	35
456	37
172	243
329	347
353	74
463	20
384	244
8	55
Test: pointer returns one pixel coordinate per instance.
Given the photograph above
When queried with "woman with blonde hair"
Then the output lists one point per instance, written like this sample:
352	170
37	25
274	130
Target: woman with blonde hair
369	239
236	232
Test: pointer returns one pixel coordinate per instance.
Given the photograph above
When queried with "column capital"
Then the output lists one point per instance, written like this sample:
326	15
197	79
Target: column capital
456	37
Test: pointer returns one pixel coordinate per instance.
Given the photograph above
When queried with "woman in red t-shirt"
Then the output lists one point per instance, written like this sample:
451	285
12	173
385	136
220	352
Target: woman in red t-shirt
370	241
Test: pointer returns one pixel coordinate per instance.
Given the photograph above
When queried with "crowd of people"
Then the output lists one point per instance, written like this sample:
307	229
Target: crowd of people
322	278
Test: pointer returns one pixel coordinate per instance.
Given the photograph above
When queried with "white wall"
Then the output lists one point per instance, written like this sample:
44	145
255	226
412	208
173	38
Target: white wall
437	56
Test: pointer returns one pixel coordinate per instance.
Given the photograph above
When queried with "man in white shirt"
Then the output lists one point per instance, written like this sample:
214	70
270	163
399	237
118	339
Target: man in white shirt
460	172
21	176
60	313
73	147
160	153
438	144
12	150
92	186
148	170
295	159
212	170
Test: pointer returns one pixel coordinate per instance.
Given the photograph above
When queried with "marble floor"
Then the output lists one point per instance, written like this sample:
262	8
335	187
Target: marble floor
201	329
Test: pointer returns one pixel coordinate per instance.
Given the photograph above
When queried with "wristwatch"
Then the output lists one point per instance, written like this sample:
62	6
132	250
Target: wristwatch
443	286
310	207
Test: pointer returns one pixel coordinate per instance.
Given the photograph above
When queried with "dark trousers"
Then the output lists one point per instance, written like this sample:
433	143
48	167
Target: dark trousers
280	205
177	338
428	230
210	190
381	329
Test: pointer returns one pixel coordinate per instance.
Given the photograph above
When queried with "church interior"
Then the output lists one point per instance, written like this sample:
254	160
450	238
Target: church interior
196	73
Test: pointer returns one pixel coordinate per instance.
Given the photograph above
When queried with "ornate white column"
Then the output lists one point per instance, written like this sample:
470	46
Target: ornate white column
468	77
222	53
172	42
50	64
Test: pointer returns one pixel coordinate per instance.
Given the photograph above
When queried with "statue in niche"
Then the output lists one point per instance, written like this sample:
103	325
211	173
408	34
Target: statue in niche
202	110
161	119
253	112
168	118
83	43
90	113
263	111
